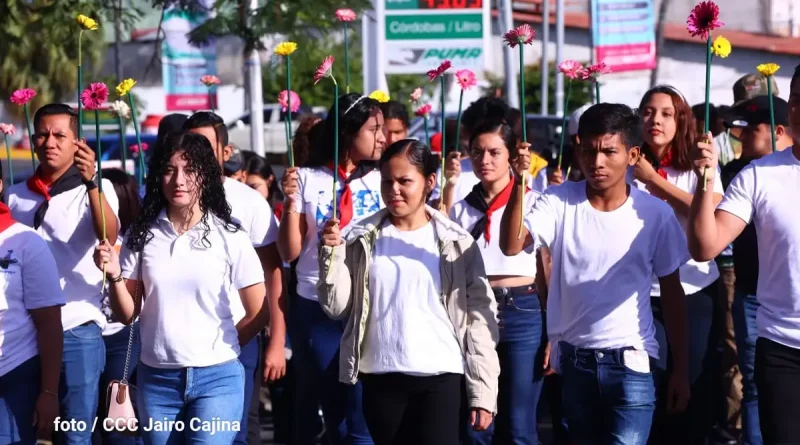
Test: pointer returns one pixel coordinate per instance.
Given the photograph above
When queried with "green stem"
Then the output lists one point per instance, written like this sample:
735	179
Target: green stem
140	175
522	94
290	150
597	91
30	135
8	158
99	160
458	120
288	119
771	112
444	132
335	144
346	62
80	104
564	124
706	123
122	146
210	100
427	132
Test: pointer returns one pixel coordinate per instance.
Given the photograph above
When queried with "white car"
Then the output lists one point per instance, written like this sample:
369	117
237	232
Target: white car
274	129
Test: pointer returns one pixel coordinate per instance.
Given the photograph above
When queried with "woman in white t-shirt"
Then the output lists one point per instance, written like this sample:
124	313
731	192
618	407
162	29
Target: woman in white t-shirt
521	348
420	314
308	205
31	337
669	134
187	259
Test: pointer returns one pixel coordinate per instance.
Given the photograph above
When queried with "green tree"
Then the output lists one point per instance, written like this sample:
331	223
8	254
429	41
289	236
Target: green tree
39	47
580	93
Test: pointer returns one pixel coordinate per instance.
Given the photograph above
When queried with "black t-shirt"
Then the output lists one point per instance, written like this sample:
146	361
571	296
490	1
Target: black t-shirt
745	247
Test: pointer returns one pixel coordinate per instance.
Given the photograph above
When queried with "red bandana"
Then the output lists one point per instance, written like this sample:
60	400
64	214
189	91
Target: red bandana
346	200
38	185
665	162
6	220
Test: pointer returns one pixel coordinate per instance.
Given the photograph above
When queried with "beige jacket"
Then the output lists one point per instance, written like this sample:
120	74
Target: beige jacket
466	295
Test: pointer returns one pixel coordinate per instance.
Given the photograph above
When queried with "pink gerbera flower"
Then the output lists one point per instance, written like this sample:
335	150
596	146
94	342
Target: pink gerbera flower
23	96
571	68
433	74
703	19
93	97
424	111
325	70
466	79
521	35
345	15
595	71
209	80
7	129
283	100
416	95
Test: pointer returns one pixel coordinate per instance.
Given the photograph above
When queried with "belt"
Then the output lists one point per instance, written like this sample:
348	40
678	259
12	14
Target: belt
505	291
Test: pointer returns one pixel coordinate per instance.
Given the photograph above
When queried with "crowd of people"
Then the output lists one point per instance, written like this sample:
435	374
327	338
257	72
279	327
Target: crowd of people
624	295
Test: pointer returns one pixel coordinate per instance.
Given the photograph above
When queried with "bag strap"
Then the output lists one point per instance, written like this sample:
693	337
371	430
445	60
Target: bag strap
138	300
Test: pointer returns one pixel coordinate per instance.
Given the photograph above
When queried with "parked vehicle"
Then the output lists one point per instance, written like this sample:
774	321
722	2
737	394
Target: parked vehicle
274	128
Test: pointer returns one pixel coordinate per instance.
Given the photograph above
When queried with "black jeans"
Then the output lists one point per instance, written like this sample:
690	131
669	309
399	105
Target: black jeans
778	382
401	409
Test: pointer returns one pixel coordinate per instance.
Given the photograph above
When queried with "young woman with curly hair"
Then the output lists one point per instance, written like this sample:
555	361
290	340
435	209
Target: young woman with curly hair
183	262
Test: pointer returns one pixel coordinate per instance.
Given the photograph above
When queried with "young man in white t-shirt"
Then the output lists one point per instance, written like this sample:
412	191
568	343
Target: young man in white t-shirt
254	214
765	192
607	240
62	203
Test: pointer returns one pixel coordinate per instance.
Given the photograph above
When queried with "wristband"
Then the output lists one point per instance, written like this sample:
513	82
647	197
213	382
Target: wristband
117	279
91	184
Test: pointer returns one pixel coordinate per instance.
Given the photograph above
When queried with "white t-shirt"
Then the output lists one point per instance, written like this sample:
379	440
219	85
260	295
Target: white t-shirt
408	329
189	284
496	263
468	179
253	213
29	280
695	276
766	191
316	197
603	264
68	229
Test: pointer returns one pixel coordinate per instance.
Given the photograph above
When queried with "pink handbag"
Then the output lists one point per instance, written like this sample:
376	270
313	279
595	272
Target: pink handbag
121	415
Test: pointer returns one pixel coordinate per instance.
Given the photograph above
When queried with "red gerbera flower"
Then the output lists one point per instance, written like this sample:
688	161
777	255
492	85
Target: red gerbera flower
433	74
521	35
94	96
424	110
703	19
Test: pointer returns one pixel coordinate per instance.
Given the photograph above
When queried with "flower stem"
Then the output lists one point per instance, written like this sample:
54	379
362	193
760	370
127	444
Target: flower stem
8	159
141	170
30	134
346	62
564	124
122	146
210	100
524	125
335	145
289	148
597	91
458	120
771	112
444	137
100	185
80	104
706	123
427	132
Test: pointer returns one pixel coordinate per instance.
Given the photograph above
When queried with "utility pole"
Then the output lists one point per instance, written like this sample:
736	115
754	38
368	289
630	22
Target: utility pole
254	88
506	21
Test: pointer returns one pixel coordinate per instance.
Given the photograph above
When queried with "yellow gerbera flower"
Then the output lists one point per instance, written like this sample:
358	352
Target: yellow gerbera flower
721	47
87	23
768	69
380	96
125	87
285	48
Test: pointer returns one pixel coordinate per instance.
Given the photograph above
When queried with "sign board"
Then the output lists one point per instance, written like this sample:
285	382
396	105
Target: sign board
623	34
418	35
183	64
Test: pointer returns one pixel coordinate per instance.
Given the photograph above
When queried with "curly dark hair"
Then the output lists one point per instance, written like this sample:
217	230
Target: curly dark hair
199	155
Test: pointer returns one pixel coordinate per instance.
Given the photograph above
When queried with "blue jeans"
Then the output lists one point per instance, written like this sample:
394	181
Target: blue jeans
116	350
190	397
520	350
19	389
315	349
604	400
744	325
249	358
79	388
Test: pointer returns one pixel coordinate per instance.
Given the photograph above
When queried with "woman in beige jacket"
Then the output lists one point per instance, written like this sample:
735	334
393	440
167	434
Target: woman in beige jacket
420	314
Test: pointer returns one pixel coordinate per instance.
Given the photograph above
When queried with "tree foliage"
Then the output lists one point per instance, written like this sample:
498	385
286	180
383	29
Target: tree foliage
580	93
39	47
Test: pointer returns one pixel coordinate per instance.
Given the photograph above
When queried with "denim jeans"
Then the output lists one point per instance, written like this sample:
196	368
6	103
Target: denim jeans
84	359
520	350
192	398
604	400
116	350
19	389
745	307
249	357
315	349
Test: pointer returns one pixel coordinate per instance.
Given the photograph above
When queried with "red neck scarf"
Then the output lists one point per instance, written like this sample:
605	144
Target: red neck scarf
346	200
665	162
477	199
37	184
6	220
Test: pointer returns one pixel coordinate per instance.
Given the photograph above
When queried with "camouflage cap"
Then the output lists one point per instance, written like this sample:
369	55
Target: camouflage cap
750	86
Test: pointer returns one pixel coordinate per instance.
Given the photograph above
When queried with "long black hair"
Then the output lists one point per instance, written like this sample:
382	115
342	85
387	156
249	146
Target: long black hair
200	159
126	190
257	165
354	111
